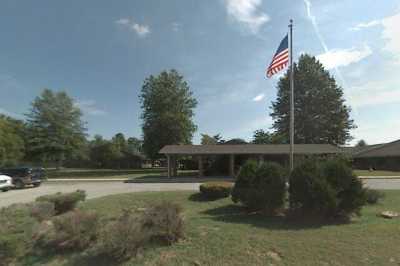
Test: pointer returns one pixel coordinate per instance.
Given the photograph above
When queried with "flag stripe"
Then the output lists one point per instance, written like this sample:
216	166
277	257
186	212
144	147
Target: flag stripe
280	59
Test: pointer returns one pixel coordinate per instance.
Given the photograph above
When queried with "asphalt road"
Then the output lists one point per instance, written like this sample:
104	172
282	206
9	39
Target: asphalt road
100	189
93	189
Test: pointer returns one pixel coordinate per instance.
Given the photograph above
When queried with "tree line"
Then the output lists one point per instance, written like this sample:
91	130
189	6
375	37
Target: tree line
54	132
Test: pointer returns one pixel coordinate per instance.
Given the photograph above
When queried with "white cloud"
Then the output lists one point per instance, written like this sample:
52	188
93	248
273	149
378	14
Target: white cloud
259	97
246	13
374	133
344	57
11	114
321	39
371	95
89	107
141	30
391	33
365	25
176	26
123	21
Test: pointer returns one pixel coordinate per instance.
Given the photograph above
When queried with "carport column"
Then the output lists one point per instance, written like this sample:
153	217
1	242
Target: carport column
201	171
169	165
232	165
175	163
260	159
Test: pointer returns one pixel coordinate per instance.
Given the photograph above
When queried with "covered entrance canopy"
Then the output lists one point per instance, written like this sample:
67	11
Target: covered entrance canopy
199	151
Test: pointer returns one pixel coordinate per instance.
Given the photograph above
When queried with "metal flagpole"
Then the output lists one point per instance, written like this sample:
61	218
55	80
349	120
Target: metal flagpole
291	95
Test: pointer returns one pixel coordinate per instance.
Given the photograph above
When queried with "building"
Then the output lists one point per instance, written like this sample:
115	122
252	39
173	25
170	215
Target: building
256	151
384	156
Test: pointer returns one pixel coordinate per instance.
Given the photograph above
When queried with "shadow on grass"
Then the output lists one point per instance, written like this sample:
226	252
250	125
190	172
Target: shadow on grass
198	197
93	260
239	215
179	179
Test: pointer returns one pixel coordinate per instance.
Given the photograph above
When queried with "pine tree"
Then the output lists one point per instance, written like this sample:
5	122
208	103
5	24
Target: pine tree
321	115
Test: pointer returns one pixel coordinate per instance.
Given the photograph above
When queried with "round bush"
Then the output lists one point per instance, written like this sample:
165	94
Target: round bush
326	189
216	190
260	187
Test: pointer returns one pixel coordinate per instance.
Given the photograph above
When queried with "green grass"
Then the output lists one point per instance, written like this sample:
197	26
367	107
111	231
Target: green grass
220	233
376	173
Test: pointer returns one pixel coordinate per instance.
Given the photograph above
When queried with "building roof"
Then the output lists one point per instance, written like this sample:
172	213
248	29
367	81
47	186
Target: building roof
249	149
390	149
352	150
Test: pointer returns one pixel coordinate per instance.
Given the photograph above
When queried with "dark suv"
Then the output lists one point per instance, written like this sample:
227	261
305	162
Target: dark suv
23	176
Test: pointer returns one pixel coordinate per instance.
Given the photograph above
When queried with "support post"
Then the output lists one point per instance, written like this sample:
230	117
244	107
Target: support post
201	170
175	167
232	165
291	160
169	165
260	159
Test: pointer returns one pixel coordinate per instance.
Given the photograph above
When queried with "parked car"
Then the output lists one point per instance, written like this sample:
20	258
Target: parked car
5	183
23	176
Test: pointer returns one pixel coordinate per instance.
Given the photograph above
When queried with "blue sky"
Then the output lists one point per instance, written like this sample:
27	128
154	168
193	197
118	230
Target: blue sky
101	51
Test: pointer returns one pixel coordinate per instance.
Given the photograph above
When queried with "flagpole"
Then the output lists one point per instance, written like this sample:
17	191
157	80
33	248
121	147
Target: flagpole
291	95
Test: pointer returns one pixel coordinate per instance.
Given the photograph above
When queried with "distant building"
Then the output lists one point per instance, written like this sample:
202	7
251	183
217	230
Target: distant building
384	156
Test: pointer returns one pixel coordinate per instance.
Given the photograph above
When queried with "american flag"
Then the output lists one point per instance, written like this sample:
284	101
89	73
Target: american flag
280	59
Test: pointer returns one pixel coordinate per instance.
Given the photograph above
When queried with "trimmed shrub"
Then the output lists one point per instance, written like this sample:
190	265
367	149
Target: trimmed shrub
74	230
374	196
64	202
216	190
122	238
260	187
42	210
326	189
164	222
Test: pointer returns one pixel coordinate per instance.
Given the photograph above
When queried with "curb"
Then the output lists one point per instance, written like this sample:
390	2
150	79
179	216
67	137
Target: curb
86	179
380	177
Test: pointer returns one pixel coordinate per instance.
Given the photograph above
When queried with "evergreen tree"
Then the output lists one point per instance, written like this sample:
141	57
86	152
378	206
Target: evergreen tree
321	115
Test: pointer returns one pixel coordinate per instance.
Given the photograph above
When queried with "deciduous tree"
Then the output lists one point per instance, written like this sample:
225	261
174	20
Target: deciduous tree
167	112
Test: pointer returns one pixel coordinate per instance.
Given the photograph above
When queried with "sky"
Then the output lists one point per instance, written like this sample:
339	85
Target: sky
100	52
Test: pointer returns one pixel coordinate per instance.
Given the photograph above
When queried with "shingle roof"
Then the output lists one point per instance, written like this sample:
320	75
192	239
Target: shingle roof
356	149
383	150
249	149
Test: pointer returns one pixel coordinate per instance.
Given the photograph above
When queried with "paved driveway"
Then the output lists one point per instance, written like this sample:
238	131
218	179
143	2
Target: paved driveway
93	190
99	189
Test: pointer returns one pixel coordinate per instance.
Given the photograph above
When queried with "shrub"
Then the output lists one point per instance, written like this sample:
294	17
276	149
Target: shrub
74	230
260	187
326	189
216	190
132	231
164	222
374	196
7	250
64	202
122	238
42	210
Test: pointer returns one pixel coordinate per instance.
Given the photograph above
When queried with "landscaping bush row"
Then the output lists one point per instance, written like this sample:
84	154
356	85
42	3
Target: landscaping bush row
325	188
216	189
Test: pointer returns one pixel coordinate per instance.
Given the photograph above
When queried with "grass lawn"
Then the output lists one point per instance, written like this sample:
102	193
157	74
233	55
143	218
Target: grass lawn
220	233
376	173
